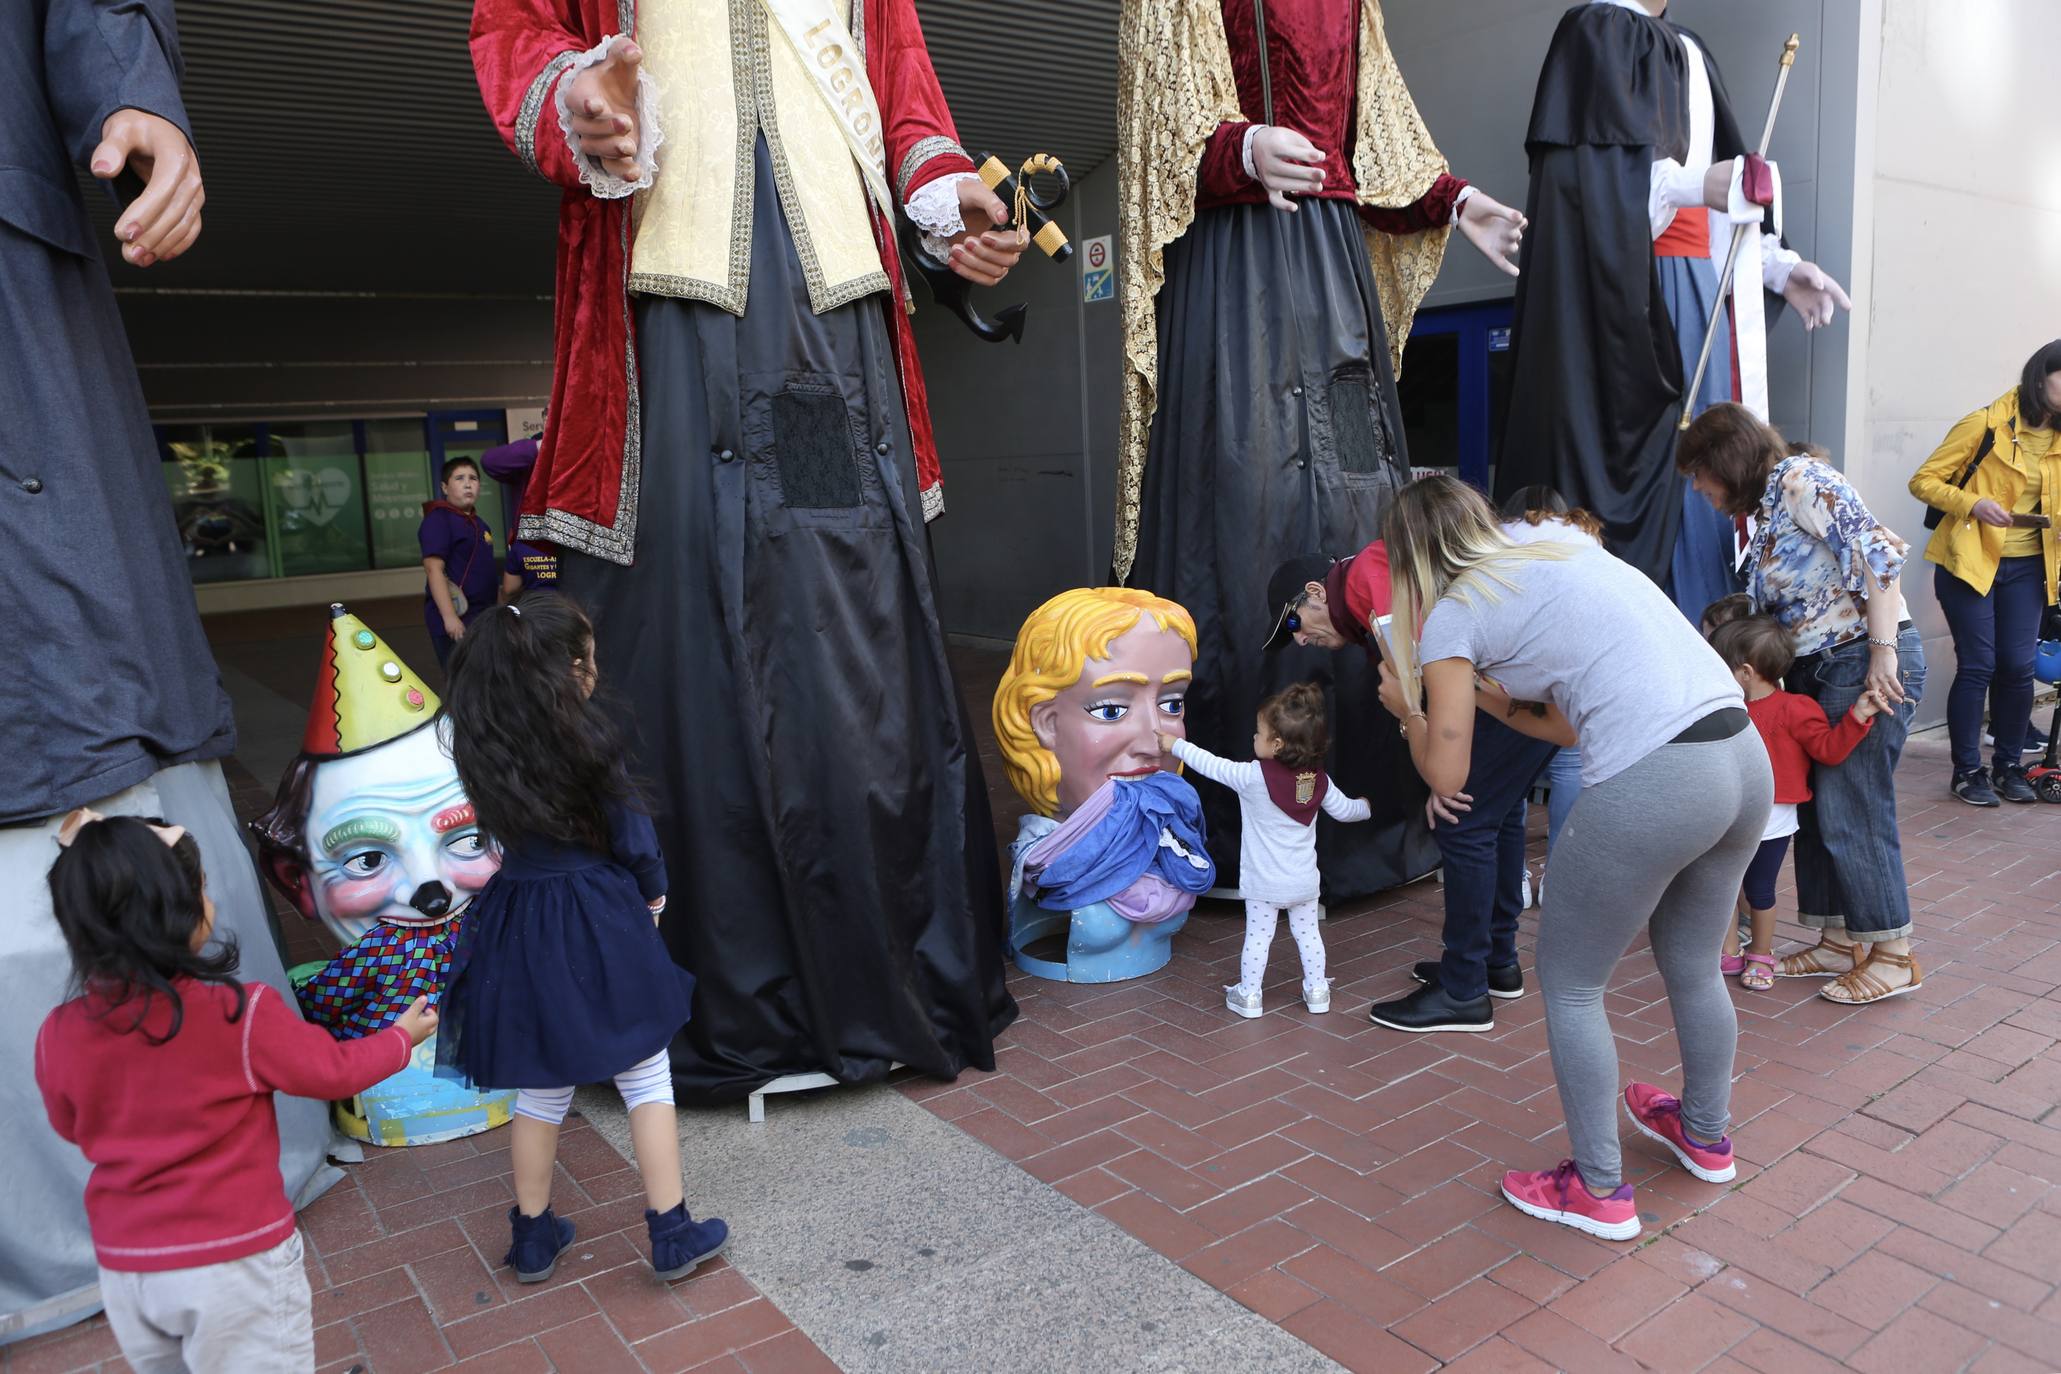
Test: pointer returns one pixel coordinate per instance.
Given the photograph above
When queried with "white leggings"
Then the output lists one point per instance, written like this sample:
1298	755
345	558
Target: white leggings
1260	920
640	1084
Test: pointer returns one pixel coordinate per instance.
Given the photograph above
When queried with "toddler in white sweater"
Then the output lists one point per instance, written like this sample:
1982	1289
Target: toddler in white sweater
1279	795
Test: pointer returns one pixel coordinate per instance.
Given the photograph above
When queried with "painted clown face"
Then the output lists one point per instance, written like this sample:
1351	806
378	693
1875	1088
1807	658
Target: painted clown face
1107	724
391	838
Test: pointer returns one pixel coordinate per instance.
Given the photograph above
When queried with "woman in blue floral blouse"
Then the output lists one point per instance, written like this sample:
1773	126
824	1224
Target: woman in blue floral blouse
1828	570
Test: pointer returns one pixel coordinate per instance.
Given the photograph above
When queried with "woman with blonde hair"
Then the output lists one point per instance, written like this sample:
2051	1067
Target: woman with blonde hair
1566	643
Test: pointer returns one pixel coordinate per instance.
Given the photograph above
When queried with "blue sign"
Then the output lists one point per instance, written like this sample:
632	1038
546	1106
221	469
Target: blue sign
1098	284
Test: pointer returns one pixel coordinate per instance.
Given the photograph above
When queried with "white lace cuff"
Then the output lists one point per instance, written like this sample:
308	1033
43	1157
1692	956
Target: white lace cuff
1245	152
601	182
1460	202
934	209
1776	265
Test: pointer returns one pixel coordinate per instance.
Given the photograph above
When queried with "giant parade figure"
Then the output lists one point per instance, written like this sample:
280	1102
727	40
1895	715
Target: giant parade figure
1638	175
1283	211
737	475
110	698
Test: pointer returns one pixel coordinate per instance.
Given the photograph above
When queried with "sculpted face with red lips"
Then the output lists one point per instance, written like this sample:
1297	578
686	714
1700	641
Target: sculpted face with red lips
390	838
1106	724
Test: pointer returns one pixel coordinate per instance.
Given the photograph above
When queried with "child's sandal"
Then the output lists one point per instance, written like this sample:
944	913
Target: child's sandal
1731	965
1759	973
1858	987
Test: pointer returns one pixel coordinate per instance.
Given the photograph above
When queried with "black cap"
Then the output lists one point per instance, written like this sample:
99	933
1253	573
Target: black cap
1285	587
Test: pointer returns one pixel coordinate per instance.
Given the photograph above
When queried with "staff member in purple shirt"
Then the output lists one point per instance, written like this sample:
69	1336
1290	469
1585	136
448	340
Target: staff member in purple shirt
458	557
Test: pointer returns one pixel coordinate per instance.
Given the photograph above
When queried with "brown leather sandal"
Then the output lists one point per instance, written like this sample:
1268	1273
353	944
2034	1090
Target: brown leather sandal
1858	987
1805	963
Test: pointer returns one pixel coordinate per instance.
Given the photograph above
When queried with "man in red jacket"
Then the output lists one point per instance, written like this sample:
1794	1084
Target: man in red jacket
1479	831
737	475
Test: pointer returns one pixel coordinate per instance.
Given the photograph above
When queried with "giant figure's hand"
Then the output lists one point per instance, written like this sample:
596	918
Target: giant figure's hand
603	101
1815	296
989	247
1494	228
164	221
1286	164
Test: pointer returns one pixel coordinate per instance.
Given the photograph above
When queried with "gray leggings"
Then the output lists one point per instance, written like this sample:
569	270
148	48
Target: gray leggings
1662	845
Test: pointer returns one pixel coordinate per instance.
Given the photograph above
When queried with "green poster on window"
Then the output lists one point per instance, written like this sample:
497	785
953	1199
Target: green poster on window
319	511
396	485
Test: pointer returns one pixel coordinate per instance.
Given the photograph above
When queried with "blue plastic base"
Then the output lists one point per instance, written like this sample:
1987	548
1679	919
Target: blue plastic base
1101	946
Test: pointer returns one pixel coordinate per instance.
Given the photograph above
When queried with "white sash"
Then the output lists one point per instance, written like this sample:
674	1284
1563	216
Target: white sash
1749	309
824	43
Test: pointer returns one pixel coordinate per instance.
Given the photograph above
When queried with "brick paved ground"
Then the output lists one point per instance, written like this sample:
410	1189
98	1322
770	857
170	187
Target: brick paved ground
1896	1207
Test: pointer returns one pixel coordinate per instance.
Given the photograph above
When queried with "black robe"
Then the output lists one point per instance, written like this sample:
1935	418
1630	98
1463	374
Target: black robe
1596	374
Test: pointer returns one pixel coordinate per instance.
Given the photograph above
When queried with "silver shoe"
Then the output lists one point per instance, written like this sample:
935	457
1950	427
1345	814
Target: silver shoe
1246	1004
1317	996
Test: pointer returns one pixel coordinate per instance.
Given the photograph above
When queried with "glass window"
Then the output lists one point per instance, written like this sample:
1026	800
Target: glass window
218	500
317	491
397	482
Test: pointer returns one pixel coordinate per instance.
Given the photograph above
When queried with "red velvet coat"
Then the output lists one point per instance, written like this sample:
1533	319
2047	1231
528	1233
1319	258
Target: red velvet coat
520	51
1313	63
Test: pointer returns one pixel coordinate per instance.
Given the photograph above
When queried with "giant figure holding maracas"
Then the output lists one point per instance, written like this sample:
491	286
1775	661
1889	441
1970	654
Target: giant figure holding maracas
737	475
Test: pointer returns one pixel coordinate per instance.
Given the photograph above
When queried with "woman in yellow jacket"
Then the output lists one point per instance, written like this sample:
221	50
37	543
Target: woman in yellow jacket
1994	479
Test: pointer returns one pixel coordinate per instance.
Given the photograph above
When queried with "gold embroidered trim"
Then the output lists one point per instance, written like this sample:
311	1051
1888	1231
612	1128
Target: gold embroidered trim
532	107
1175	86
937	145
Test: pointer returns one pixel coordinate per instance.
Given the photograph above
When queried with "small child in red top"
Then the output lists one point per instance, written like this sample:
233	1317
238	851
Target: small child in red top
1794	728
161	1070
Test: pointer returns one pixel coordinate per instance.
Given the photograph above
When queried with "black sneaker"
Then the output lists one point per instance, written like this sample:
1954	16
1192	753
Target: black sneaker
1505	982
2035	740
2011	786
1974	789
1429	1009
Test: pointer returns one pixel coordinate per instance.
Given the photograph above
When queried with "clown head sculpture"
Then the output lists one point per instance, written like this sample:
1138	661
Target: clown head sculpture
371	835
1112	858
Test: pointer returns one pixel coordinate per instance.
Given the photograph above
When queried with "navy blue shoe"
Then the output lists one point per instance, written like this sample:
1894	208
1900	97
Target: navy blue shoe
679	1243
538	1241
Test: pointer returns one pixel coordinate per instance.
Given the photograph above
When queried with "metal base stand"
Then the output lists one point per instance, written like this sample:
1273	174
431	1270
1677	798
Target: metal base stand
755	1105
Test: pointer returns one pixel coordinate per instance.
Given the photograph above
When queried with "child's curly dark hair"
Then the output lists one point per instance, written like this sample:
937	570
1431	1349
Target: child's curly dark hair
1296	717
128	904
1724	611
537	755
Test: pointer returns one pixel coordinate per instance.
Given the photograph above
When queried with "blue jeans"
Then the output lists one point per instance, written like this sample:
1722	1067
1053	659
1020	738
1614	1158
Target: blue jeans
1994	640
1849	856
1564	784
1484	858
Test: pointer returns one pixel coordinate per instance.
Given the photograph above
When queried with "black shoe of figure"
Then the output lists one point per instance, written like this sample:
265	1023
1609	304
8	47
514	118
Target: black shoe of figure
2011	785
536	1244
1503	983
1974	789
1429	1009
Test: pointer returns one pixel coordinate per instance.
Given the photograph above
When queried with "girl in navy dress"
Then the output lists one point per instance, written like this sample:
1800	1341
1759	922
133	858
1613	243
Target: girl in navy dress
561	977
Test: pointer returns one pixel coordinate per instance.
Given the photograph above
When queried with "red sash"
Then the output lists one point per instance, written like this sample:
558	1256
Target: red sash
1687	237
1297	791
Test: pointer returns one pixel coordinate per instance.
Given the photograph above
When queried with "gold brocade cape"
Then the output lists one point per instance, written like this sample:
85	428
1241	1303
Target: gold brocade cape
1175	86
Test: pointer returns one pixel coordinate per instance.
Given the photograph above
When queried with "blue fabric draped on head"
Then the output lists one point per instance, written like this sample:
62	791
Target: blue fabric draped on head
1125	844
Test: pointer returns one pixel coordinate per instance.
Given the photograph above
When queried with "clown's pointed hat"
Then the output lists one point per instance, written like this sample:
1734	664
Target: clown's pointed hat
364	694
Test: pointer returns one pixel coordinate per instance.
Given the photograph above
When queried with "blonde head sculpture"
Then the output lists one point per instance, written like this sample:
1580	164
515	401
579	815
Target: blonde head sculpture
1112	855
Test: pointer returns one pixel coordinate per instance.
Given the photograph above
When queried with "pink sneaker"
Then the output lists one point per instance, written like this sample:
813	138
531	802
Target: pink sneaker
1659	1115
1558	1194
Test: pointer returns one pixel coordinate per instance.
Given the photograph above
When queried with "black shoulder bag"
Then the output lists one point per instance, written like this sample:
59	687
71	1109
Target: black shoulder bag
1933	514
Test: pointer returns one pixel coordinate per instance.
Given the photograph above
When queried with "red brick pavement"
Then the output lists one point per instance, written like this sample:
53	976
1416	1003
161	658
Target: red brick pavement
404	1259
1896	1206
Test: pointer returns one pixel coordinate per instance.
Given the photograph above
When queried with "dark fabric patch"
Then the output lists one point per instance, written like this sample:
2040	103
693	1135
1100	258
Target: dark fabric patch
812	439
1357	430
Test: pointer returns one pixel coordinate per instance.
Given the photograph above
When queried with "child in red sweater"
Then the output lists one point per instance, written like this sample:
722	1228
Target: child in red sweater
161	1070
1794	728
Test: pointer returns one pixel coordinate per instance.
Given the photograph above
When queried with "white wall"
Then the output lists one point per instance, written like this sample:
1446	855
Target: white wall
1964	175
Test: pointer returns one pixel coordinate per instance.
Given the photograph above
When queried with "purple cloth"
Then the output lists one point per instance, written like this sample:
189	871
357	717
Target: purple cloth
1149	898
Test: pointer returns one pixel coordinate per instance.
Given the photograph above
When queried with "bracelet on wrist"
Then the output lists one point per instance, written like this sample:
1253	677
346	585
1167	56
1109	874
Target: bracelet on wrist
1875	643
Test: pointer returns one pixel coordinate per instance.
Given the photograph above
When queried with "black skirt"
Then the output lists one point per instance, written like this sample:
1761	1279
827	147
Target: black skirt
776	654
1278	434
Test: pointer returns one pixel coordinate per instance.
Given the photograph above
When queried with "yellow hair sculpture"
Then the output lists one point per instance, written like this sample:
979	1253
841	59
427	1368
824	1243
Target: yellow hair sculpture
1052	651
